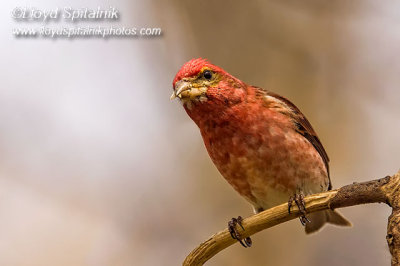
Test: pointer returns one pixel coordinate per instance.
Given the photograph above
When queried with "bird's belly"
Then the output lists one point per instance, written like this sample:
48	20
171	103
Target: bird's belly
267	169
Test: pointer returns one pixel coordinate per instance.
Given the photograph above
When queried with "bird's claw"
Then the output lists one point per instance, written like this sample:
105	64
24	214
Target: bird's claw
298	198
246	242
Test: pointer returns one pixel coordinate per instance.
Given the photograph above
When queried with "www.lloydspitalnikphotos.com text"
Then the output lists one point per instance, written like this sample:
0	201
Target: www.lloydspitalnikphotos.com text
75	15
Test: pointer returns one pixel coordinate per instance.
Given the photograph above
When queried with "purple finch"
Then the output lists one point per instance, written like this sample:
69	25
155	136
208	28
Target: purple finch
260	142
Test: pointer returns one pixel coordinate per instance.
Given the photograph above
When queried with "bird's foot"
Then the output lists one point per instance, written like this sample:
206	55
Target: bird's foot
246	242
298	198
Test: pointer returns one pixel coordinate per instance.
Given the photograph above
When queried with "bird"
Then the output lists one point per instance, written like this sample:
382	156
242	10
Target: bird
260	142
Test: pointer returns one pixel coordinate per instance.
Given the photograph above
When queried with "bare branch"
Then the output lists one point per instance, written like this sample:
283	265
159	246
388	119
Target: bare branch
384	190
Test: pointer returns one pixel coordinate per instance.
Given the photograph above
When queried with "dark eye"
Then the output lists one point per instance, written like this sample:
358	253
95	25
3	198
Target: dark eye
207	74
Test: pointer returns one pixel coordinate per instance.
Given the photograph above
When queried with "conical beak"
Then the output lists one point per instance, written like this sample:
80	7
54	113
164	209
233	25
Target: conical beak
180	87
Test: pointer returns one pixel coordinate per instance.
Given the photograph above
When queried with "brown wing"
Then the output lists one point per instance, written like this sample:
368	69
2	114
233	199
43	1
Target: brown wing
303	126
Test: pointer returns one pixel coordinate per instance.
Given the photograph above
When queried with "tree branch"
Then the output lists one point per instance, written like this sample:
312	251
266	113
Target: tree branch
384	190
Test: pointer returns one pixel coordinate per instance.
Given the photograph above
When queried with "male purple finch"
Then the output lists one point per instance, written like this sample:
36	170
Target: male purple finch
260	142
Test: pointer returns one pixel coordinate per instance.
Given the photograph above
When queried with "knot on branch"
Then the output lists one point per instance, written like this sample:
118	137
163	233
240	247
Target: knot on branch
392	189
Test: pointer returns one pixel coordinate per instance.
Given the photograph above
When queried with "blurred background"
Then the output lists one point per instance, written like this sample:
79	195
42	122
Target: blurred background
99	167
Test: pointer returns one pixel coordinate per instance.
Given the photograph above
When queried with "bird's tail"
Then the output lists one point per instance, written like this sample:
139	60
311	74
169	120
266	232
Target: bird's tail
318	219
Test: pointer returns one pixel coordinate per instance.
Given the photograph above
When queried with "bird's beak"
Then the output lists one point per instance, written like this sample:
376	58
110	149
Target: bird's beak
180	87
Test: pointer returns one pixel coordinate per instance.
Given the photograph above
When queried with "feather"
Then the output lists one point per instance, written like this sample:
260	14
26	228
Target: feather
303	126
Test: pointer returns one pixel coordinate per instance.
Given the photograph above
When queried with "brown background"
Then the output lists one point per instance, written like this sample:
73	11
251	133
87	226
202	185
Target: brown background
98	167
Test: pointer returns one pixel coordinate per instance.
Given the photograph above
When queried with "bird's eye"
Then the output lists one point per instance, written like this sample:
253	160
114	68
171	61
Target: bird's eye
207	74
